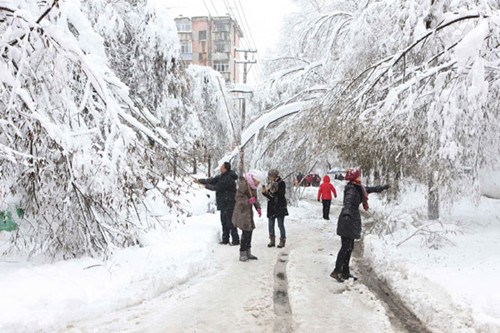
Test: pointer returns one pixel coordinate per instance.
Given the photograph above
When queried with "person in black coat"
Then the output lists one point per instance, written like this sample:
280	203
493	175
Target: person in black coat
349	222
224	186
275	192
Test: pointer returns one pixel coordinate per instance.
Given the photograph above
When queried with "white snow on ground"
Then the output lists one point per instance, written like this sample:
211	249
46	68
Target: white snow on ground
235	296
453	288
184	281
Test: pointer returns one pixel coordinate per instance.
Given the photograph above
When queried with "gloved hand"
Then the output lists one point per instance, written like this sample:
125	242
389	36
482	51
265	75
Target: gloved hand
318	200
259	212
252	200
386	187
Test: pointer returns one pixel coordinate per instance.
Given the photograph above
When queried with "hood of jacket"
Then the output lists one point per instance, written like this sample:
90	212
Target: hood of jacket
326	179
232	174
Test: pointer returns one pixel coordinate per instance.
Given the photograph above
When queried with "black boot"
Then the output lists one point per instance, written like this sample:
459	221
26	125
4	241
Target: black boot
250	255
337	276
282	242
272	240
347	276
243	256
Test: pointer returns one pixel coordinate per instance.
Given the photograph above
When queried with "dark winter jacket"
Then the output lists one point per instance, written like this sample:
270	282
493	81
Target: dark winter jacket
349	223
326	189
243	213
276	204
224	186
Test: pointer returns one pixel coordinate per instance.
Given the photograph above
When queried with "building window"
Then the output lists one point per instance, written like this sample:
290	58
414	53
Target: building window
221	35
221	66
200	57
184	26
202	35
221	46
186	47
184	36
221	26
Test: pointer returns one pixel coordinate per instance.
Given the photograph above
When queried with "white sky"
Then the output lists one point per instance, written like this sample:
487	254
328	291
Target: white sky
264	18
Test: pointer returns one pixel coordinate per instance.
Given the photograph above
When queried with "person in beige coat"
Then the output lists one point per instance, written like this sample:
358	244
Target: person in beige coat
246	199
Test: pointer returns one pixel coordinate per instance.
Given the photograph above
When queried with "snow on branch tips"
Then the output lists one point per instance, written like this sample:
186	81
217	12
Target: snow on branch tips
75	145
426	109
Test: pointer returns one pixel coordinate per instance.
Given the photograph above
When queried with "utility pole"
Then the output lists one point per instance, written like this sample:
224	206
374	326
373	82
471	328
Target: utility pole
245	63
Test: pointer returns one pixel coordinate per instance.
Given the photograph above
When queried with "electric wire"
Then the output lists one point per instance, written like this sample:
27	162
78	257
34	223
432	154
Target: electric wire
215	8
242	12
246	41
248	31
208	9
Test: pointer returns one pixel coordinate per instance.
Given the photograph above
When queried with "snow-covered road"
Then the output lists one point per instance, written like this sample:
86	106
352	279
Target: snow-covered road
232	296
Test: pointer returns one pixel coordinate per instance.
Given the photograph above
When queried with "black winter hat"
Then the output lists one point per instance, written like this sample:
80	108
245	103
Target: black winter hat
227	165
273	172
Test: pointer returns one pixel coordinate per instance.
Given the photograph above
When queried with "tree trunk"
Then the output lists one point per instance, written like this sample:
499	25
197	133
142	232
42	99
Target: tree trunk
209	165
433	197
195	162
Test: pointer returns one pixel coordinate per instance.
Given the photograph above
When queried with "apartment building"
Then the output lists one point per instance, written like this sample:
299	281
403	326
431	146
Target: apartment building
211	41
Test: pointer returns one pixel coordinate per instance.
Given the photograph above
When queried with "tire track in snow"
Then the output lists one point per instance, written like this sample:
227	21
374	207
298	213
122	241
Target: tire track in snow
282	308
400	316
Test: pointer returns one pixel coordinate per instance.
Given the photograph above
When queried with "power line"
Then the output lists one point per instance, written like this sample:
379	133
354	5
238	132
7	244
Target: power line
244	42
208	10
248	31
244	21
215	8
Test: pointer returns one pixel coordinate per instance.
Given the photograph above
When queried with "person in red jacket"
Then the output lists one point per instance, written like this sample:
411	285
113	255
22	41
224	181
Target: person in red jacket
325	192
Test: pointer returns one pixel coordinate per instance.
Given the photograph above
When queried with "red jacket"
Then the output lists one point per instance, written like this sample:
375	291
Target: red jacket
325	190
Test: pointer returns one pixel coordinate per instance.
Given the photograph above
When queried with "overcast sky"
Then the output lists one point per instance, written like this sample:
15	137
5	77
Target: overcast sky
263	17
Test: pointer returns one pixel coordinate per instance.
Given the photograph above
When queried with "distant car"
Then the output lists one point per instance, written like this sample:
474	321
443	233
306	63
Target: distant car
337	173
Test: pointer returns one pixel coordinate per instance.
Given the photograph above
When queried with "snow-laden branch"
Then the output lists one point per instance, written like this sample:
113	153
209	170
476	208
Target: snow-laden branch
392	60
263	121
269	118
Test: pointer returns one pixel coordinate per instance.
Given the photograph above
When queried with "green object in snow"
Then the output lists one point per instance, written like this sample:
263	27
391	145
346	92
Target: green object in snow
6	221
19	212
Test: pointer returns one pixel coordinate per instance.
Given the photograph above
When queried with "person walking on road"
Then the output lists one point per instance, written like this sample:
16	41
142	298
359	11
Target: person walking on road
325	194
246	199
349	222
224	186
276	206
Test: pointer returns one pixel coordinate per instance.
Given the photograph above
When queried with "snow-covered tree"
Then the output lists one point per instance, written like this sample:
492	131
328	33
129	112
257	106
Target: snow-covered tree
90	94
412	86
425	109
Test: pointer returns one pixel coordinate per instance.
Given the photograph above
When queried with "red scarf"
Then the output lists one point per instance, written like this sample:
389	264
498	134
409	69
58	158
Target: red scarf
363	190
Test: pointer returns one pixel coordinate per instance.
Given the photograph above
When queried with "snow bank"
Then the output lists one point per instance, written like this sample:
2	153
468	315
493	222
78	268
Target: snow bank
490	183
453	288
48	296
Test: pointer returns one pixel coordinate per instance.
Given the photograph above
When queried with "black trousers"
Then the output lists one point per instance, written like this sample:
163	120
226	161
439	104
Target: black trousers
228	226
326	209
344	256
246	240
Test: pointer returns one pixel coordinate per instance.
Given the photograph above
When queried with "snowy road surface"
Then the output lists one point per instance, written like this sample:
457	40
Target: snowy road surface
233	296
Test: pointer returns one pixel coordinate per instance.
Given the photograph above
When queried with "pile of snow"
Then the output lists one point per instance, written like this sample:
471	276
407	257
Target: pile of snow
452	287
44	296
490	182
